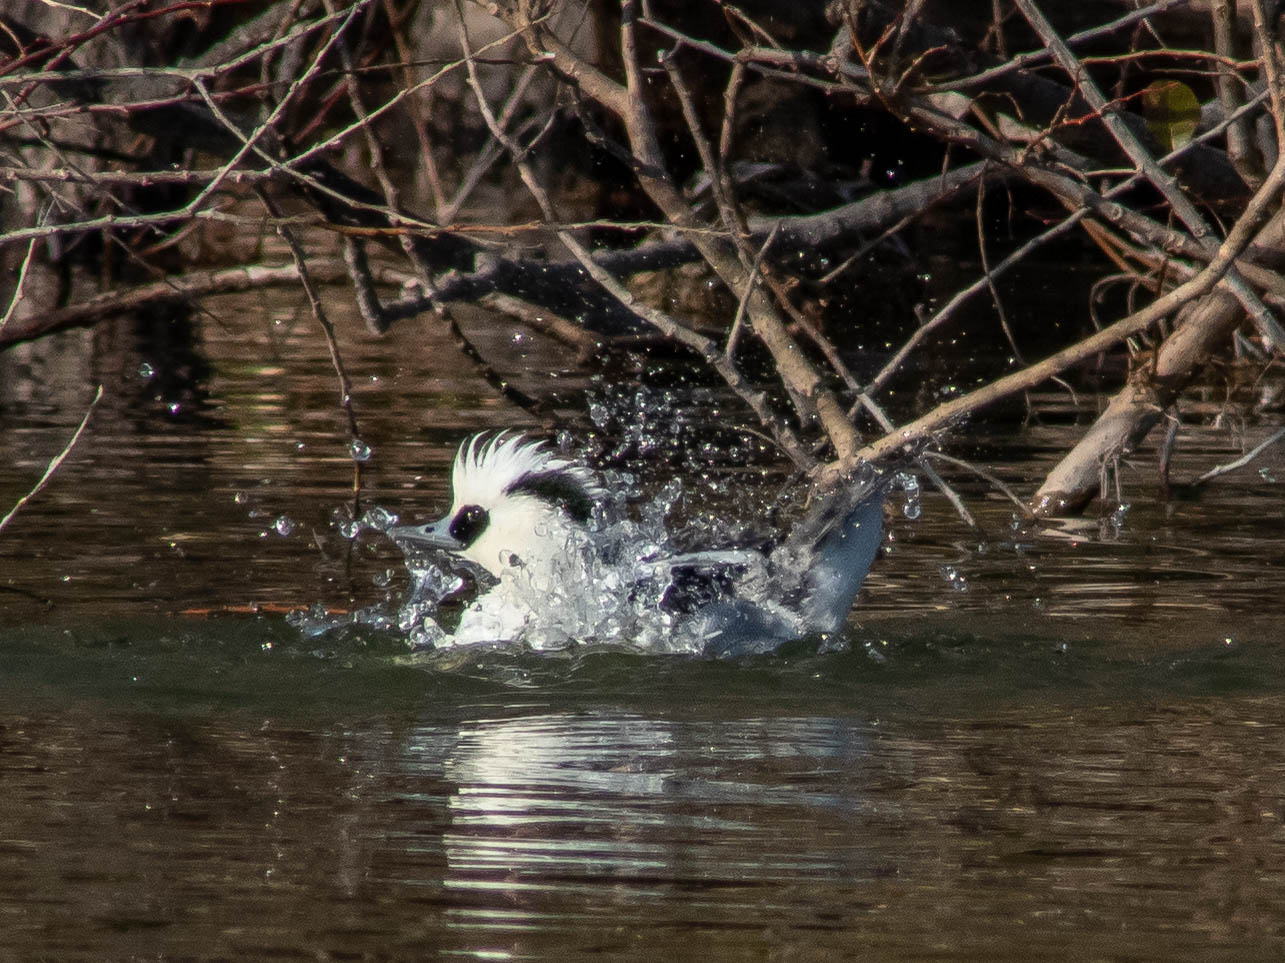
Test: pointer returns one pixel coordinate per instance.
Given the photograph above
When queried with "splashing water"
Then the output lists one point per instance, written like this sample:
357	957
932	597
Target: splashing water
955	578
912	508
625	578
378	519
609	587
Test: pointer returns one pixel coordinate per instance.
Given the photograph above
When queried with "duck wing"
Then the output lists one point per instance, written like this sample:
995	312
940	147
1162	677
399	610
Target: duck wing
696	580
743	600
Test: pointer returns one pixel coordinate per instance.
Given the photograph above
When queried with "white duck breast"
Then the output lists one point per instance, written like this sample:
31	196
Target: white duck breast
533	520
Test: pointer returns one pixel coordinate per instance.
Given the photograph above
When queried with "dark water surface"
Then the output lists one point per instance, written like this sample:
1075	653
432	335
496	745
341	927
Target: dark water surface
1062	744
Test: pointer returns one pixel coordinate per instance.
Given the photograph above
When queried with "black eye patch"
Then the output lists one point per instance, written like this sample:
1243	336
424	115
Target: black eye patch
557	488
469	522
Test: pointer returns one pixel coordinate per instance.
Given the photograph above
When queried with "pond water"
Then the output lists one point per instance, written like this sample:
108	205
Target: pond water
1029	743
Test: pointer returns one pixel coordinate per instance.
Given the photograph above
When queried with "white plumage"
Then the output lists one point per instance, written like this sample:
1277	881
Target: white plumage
533	520
537	503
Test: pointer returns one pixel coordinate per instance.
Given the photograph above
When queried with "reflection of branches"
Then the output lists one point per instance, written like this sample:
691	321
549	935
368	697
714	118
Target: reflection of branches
21	280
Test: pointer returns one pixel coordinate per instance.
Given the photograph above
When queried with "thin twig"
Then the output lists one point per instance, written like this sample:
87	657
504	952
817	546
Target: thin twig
667	325
17	296
1181	204
355	444
990	276
729	349
1243	460
982	473
418	114
54	464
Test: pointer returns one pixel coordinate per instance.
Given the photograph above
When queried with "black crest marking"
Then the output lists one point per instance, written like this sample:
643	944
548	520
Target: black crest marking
559	488
469	522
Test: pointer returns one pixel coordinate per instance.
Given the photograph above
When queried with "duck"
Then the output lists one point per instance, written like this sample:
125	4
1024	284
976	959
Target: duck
554	567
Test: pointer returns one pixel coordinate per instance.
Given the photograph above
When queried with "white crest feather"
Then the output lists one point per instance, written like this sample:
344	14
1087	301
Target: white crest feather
487	465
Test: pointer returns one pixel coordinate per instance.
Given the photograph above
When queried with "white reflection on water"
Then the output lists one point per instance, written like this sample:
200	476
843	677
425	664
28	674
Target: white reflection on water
537	769
549	805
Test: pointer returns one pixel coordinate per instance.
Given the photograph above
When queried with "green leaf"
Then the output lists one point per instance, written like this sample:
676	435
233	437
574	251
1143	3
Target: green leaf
1172	112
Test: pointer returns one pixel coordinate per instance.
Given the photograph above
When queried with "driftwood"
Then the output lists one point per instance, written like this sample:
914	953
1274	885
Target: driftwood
1155	384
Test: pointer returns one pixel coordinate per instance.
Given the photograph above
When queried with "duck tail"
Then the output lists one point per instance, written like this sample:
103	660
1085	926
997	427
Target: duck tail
835	544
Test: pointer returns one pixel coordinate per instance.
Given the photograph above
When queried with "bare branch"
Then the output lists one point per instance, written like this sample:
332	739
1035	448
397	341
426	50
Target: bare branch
1243	460
54	464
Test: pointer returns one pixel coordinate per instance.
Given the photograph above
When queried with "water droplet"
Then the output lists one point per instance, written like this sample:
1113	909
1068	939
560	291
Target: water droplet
146	371
379	519
175	408
359	451
1116	521
240	498
284	525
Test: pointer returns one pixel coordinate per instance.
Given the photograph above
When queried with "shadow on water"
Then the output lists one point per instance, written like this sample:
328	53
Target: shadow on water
1030	743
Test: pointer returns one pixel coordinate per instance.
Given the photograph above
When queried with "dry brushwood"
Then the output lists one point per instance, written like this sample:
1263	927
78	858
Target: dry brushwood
714	135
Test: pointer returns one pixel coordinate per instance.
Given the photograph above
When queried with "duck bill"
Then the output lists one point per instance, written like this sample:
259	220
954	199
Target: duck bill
433	535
